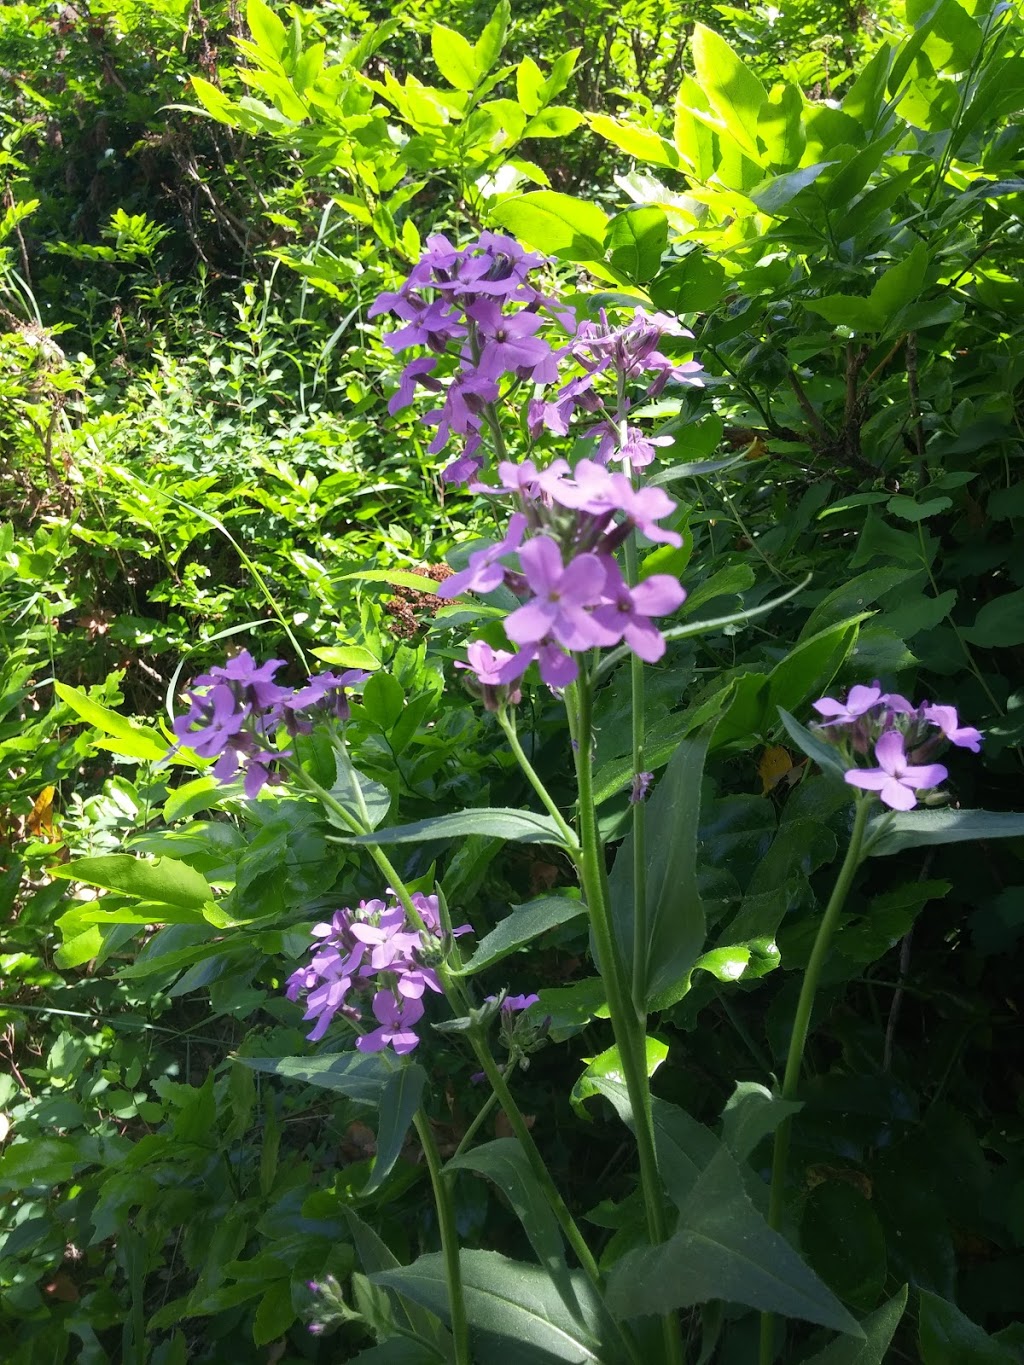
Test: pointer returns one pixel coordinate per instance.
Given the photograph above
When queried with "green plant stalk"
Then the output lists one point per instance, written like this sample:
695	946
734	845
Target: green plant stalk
507	721
798	1038
640	928
629	1037
449	1238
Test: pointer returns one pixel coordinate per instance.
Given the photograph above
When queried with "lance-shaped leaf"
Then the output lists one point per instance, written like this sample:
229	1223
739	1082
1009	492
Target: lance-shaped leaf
521	925
514	1311
521	825
894	832
356	1075
878	1328
723	1249
399	1100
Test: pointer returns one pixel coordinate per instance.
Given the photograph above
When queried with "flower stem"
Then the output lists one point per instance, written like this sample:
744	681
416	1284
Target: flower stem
449	1238
640	927
798	1038
506	719
629	1035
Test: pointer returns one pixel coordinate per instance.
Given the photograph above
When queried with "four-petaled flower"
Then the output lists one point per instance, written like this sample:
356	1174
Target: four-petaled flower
896	780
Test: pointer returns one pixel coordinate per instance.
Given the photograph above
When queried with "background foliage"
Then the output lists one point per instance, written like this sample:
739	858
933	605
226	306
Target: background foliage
193	443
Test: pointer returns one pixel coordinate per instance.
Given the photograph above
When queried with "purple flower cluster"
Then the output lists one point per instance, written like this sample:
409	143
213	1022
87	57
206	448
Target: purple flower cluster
903	737
235	712
574	597
627	354
374	949
476	302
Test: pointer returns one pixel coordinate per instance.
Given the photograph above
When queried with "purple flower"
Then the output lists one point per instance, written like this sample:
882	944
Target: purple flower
641	786
434	326
895	779
396	1020
963	736
416	372
483	573
602	493
487	665
326	693
626	612
563	594
512	1004
507	341
557	668
858	703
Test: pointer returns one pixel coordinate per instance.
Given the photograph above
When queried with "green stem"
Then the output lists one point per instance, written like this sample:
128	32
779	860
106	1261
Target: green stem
629	1036
507	721
798	1038
449	1238
640	927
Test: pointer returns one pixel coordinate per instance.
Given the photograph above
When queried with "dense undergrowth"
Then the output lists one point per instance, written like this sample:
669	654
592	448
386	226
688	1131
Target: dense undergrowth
198	208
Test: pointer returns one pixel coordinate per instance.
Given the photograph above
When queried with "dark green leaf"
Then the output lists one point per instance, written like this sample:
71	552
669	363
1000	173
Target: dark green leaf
521	825
750	1114
359	1076
523	924
507	1302
723	1249
399	1100
879	1328
504	1162
947	1337
896	831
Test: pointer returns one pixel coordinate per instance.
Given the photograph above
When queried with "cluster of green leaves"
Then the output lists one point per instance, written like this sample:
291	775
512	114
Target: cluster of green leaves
849	268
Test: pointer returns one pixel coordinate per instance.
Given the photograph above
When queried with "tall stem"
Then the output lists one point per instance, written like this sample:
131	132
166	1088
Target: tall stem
640	927
798	1038
449	1238
506	719
629	1036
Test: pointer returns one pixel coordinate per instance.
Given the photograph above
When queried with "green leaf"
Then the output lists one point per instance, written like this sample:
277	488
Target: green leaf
773	195
780	127
878	1328
138	741
504	1163
39	1161
556	223
642	143
999	623
507	1303
191	797
685	1148
730	86
399	1351
162	880
454	58
900	284
399	1100
523	826
811	665
348	656
275	1313
637	240
608	1067
487	48
894	832
358	1076
843	310
723	1249
842	1238
523	924
268	31
383	700
947	1337
751	1113
375	1255
675	913
817	750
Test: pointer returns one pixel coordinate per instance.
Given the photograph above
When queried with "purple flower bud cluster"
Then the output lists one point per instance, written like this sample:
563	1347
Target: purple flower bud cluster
476	302
574	597
376	951
904	737
235	712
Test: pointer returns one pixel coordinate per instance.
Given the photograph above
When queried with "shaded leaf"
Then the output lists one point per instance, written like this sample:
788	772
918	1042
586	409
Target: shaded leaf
523	924
399	1100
